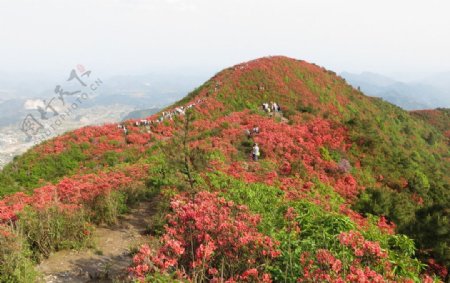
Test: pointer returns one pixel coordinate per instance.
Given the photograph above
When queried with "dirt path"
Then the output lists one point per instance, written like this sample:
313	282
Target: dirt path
110	258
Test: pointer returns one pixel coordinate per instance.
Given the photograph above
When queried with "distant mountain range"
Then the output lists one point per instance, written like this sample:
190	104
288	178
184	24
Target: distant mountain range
135	91
428	93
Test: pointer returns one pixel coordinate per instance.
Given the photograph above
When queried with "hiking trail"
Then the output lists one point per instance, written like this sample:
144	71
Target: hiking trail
111	255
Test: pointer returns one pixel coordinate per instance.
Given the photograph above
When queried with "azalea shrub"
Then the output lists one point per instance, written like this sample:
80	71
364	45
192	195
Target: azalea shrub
320	243
85	190
296	152
60	216
209	239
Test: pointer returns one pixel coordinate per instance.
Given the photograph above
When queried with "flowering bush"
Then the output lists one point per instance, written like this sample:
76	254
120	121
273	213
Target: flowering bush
293	149
71	192
363	249
209	239
435	268
325	267
385	225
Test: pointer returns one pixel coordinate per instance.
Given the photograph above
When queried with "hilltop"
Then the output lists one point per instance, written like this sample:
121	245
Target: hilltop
347	187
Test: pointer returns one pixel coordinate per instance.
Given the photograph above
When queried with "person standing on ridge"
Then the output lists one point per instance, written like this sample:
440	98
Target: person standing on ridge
275	107
255	152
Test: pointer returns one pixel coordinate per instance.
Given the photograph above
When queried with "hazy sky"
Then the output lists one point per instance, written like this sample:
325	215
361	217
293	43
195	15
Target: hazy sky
121	36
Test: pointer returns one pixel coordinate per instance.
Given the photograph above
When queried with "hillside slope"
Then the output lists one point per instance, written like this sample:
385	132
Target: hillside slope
439	118
340	174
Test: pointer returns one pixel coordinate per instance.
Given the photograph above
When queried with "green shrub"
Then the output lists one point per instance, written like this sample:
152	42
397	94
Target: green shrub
111	158
107	207
15	259
54	229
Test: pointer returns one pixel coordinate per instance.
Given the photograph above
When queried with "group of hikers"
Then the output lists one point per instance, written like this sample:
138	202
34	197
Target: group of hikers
254	131
165	115
181	110
271	107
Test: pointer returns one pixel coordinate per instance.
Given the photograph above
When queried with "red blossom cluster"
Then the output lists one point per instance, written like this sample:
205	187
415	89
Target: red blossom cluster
354	216
364	275
70	192
97	140
417	199
210	106
347	187
115	137
283	144
138	138
100	136
291	219
361	247
237	170
328	261
325	267
385	225
210	236
4	232
435	268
